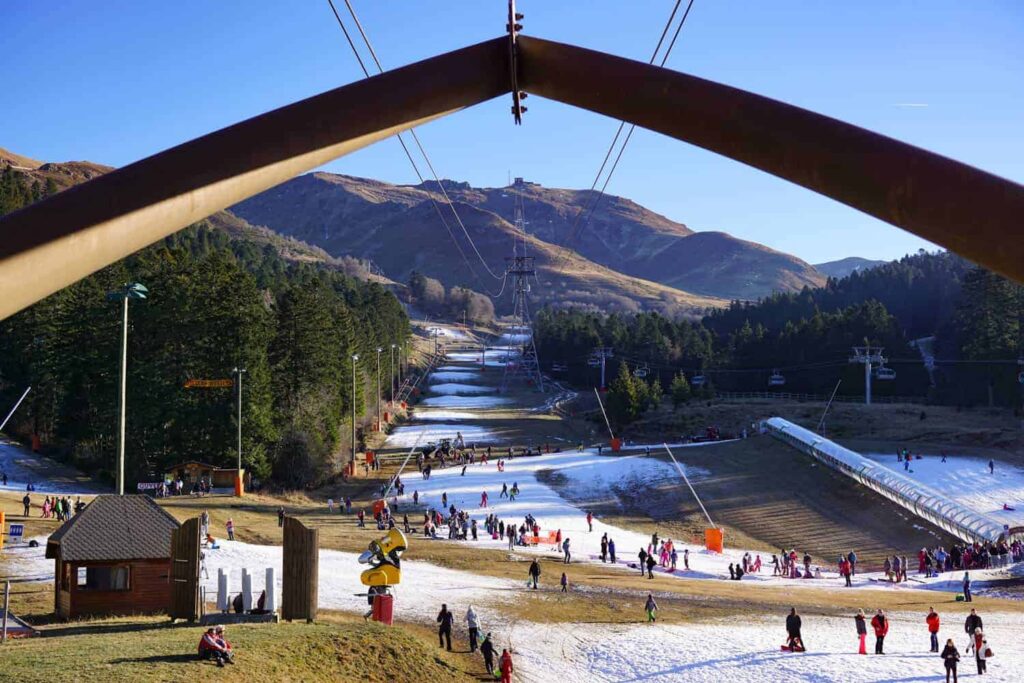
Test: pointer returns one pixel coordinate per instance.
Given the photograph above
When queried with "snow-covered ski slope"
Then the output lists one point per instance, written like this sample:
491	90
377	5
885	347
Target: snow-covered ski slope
967	480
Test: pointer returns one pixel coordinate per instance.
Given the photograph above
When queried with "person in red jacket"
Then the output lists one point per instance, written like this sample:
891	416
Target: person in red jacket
933	627
505	664
590	520
881	626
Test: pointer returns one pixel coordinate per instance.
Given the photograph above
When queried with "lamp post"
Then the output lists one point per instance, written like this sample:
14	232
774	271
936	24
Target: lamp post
238	477
355	358
131	290
391	380
379	349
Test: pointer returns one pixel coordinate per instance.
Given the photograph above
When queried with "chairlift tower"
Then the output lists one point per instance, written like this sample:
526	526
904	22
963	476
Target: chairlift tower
869	356
600	356
520	268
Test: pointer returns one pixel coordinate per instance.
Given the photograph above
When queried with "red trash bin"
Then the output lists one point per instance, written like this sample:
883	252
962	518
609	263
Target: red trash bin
383	608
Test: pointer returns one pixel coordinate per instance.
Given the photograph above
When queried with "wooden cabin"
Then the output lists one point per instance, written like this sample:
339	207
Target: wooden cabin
114	557
193	471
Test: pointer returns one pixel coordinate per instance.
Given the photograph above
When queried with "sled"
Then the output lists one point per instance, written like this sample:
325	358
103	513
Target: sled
787	648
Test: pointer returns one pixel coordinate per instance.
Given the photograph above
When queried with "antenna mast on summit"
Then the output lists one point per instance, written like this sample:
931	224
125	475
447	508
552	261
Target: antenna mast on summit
521	359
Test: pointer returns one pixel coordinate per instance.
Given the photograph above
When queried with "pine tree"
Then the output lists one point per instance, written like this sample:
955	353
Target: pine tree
624	402
679	390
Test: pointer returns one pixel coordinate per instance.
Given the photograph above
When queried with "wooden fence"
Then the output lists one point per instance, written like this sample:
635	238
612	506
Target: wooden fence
300	571
185	543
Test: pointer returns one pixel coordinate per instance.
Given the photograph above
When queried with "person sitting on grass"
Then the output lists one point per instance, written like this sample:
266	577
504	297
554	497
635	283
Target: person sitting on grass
211	647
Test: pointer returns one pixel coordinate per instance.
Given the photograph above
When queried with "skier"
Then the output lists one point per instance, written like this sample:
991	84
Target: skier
534	573
471	624
565	549
950	656
611	551
881	626
794	641
444	627
487	650
650	607
505	664
643	560
933	628
862	631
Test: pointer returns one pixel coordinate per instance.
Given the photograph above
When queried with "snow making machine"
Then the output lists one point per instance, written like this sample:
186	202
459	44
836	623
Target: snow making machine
385	559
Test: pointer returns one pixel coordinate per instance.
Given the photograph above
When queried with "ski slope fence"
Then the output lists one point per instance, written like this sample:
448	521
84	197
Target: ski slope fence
922	500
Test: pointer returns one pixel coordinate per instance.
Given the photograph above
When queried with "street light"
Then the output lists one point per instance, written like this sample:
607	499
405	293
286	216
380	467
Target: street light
379	349
238	476
131	290
352	462
391	380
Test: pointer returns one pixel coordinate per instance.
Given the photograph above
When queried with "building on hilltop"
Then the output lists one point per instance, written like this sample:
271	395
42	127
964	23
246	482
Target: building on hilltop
114	557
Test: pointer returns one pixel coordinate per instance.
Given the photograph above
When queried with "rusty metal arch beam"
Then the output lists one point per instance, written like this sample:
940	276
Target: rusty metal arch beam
56	242
971	212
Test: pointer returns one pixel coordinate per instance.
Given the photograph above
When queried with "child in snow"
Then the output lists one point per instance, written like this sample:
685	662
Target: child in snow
950	657
650	607
686	558
611	551
862	631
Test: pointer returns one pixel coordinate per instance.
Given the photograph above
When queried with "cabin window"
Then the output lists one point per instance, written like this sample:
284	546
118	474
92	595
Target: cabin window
109	578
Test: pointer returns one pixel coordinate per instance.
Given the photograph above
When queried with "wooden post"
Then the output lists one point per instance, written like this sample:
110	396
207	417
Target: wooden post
300	571
184	571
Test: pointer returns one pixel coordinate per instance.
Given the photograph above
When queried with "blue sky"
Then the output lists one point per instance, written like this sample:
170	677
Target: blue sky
115	81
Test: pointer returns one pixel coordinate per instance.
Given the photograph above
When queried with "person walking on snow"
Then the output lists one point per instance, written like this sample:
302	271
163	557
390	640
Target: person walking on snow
504	490
473	626
534	573
967	588
513	492
950	657
505	664
862	631
971	625
590	520
611	551
483	499
933	628
650	607
686	559
444	627
487	650
565	549
651	562
991	467
881	626
643	560
604	547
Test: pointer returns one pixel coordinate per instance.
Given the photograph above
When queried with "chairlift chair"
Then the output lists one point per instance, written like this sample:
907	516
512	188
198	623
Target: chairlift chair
777	379
885	374
697	381
641	371
594	362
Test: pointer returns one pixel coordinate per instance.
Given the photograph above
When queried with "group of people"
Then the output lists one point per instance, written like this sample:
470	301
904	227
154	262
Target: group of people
61	508
658	552
214	645
879	623
787	564
445	623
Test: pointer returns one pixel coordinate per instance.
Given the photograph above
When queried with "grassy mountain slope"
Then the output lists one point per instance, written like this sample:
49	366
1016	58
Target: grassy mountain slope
845	266
345	214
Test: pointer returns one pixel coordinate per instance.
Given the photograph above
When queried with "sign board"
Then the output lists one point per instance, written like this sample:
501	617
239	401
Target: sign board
17	530
209	383
148	485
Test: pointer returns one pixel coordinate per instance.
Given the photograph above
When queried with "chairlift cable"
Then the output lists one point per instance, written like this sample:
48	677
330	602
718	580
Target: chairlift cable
405	148
419	145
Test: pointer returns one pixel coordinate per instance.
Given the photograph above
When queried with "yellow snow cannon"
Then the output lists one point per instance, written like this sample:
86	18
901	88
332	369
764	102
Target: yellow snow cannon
385	559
